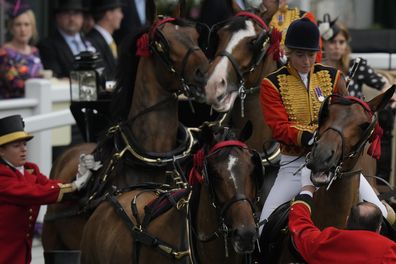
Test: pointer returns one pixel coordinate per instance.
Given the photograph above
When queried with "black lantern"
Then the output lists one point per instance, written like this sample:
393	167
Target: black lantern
89	98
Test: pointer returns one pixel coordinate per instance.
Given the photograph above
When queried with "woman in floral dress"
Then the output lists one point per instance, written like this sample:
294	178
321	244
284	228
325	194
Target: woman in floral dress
19	60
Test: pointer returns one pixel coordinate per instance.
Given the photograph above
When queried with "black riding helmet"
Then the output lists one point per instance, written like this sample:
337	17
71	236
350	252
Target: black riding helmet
303	34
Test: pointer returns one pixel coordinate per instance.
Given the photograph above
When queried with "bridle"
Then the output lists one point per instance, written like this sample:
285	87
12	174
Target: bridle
200	166
262	47
159	46
339	170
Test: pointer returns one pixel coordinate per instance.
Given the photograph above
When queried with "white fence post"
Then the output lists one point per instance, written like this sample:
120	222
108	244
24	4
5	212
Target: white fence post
41	148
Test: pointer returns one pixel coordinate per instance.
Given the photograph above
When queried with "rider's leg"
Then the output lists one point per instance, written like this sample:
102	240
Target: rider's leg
367	193
285	187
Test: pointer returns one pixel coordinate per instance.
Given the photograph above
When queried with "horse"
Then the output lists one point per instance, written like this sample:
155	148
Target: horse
159	65
198	225
346	124
244	51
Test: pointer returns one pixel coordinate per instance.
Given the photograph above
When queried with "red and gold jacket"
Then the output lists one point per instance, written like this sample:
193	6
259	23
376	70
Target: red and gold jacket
336	246
20	200
285	16
290	108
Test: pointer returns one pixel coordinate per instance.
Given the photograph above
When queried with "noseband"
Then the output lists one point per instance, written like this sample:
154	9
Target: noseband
160	48
357	149
256	60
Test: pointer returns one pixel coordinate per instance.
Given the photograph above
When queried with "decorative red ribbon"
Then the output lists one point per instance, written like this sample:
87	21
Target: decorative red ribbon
143	43
275	48
195	175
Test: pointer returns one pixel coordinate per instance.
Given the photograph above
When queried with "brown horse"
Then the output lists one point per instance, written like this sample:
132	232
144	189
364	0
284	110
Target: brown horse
198	226
244	52
149	144
346	124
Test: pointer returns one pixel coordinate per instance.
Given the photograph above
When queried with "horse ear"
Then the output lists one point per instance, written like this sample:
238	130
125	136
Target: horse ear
179	10
234	6
151	11
380	101
246	132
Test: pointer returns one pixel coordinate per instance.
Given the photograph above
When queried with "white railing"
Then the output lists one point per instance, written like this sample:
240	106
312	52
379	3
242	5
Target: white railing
37	111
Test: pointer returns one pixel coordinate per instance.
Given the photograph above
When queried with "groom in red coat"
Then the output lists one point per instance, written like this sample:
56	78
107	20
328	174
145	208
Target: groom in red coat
361	243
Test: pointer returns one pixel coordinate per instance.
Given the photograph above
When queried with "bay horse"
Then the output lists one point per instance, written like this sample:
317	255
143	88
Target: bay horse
211	222
159	65
244	51
346	124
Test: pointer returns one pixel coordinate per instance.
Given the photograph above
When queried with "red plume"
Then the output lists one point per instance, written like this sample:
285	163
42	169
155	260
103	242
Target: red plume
275	49
375	139
142	46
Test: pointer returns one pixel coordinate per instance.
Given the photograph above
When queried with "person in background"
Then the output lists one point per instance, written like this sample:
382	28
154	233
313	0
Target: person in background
333	245
133	22
23	189
284	16
290	99
107	15
58	51
19	59
337	53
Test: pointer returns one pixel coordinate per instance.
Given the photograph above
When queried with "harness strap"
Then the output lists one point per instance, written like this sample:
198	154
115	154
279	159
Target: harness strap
142	237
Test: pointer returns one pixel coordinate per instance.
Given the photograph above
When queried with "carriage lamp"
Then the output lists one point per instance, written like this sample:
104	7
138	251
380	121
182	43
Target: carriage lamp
86	78
87	90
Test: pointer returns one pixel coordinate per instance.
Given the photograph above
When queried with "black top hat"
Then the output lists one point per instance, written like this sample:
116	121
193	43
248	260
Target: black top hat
68	5
17	8
12	129
328	28
303	34
102	5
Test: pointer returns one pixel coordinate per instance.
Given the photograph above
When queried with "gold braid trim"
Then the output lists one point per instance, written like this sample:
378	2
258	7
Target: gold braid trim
65	188
283	18
302	202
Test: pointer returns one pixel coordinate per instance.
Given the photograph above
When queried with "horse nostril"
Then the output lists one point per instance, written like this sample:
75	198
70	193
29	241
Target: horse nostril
223	82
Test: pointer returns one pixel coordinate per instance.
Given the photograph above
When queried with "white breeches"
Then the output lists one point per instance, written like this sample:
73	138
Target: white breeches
287	185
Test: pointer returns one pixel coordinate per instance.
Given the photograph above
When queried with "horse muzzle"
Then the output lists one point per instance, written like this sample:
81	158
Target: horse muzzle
243	240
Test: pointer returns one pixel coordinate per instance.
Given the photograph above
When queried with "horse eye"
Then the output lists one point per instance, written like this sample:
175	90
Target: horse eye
364	126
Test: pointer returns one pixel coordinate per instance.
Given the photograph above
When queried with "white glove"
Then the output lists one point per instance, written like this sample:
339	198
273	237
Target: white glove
81	180
87	162
85	167
306	177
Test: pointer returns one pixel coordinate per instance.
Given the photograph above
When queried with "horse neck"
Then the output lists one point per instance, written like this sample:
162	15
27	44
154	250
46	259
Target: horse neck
206	224
252	109
155	131
332	207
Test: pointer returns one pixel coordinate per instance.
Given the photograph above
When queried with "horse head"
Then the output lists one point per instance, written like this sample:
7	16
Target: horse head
175	43
237	48
231	174
346	124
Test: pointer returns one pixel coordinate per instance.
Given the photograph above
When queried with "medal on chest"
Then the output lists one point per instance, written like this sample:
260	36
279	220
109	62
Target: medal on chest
319	94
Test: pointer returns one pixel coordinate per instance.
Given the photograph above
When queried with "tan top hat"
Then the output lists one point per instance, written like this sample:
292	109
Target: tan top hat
12	129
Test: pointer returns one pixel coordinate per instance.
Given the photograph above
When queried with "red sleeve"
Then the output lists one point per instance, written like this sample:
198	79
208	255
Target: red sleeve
390	255
302	229
23	191
276	116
